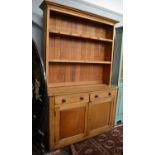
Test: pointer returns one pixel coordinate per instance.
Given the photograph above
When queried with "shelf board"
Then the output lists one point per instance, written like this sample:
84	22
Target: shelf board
80	61
80	36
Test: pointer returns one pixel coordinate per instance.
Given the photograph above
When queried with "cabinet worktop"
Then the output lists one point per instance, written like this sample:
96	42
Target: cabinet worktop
78	89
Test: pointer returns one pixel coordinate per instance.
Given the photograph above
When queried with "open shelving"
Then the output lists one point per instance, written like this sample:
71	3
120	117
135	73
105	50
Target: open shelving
80	49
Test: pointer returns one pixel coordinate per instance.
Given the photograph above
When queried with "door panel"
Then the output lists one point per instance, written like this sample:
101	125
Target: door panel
72	122
100	112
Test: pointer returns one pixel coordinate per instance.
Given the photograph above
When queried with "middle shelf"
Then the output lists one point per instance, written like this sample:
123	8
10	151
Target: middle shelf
80	36
79	61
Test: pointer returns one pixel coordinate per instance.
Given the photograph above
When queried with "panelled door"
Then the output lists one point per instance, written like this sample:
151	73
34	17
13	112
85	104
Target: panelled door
71	119
101	112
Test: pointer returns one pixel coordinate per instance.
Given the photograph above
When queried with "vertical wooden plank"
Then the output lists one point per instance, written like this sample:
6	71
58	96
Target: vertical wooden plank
63	23
46	17
100	32
63	50
52	23
83	49
84	28
92	50
96	30
115	103
95	51
113	109
103	51
112	54
86	119
93	29
78	49
74	26
57	126
58	23
89	117
51	123
79	27
51	47
103	31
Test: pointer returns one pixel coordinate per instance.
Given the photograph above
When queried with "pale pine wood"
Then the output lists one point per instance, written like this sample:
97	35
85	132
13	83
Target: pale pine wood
80	61
51	122
57	126
86	120
70	120
70	38
79	89
60	84
70	140
100	125
78	57
99	113
69	48
99	130
112	55
72	98
77	138
112	117
81	36
90	74
71	105
100	94
76	12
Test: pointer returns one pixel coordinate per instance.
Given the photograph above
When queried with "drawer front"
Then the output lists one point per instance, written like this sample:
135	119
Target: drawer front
101	94
73	98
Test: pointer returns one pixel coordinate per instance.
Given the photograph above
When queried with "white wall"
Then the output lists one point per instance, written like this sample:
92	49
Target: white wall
114	5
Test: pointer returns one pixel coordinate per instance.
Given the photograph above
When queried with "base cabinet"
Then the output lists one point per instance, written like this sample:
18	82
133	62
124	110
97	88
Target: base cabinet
80	116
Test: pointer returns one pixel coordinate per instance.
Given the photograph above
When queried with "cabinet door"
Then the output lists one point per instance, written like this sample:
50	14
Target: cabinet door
70	123
101	115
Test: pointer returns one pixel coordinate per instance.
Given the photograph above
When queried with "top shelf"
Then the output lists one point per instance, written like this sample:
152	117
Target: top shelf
81	36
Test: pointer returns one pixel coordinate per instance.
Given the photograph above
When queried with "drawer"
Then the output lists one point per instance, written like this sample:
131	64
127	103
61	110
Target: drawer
73	98
101	94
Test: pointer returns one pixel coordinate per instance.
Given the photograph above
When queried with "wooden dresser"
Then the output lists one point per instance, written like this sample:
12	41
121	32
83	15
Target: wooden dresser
78	55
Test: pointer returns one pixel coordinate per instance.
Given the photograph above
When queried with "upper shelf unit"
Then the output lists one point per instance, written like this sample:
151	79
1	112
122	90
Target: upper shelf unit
78	27
78	46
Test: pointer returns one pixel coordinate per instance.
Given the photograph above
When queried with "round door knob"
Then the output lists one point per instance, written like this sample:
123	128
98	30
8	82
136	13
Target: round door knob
96	96
63	100
81	98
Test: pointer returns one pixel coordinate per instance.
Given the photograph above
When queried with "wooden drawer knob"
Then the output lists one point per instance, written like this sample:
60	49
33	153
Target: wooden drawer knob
63	100
96	96
81	98
109	94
